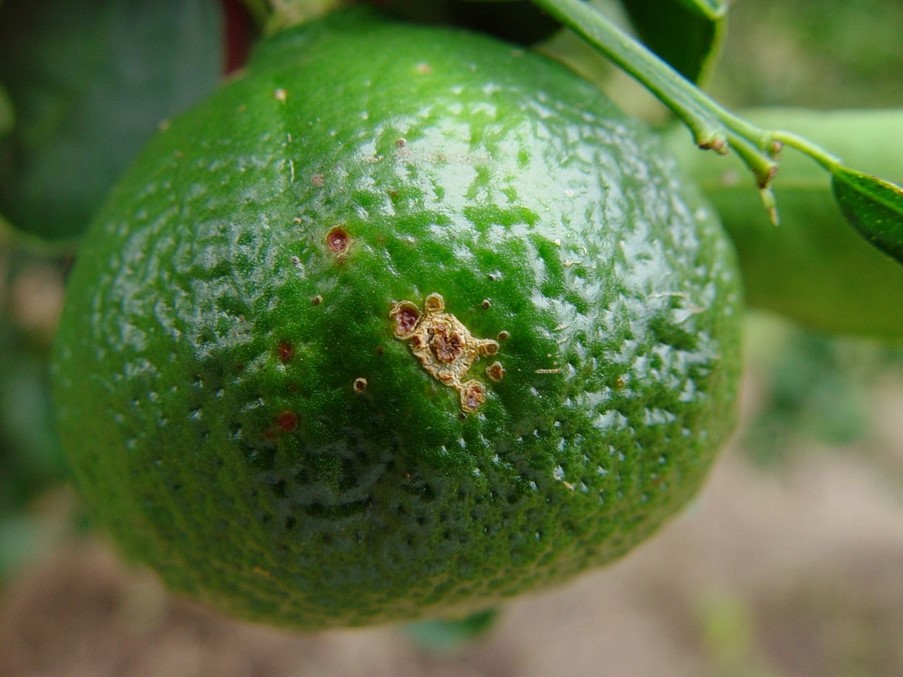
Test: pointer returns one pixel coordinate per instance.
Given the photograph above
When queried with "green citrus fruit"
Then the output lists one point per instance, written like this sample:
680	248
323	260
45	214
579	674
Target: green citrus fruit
400	323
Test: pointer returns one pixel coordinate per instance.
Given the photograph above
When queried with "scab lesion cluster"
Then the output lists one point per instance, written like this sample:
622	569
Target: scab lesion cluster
445	347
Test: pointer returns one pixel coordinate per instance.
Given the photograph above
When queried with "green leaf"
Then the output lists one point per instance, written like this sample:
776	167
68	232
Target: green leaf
685	33
873	206
711	9
7	115
517	21
444	635
90	80
31	459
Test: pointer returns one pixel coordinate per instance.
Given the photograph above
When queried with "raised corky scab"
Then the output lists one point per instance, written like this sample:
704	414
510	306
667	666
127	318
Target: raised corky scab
444	346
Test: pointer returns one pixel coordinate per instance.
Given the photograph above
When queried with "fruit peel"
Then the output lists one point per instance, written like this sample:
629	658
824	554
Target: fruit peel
208	406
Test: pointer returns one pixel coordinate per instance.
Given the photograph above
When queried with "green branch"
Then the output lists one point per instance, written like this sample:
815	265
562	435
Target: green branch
713	127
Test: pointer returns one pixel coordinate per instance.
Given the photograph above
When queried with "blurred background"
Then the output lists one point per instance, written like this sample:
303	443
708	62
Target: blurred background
789	563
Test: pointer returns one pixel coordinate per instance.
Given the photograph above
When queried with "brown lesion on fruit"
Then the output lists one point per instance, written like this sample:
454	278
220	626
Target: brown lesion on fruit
339	241
473	394
405	315
285	351
287	421
495	371
359	386
445	347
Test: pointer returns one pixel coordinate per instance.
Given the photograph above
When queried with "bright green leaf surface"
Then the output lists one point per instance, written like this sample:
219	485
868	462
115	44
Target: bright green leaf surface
685	33
873	206
90	81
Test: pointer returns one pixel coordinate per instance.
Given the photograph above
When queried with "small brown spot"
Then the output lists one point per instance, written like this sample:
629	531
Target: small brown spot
423	68
401	142
620	382
718	145
416	342
380	351
405	314
280	95
488	347
316	300
495	371
317	180
285	351
503	335
434	303
338	240
287	421
486	304
446	343
359	385
473	395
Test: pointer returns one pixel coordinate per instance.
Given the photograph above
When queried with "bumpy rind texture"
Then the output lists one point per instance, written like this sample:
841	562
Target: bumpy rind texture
208	352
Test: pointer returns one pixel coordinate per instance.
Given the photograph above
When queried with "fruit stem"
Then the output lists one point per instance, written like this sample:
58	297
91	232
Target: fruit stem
713	127
816	152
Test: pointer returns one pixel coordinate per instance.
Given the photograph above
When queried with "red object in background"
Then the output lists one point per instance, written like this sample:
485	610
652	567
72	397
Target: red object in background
238	34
